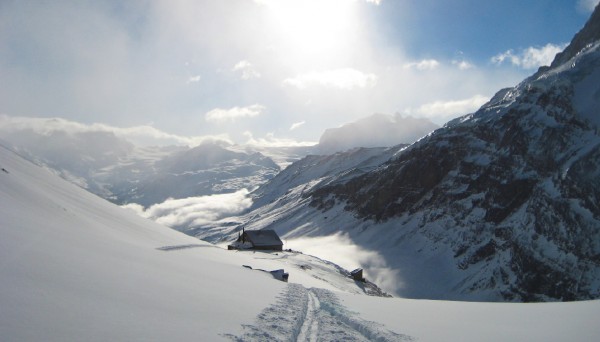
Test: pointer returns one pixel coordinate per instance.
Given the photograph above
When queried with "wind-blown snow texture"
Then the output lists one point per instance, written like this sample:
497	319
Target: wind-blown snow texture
499	205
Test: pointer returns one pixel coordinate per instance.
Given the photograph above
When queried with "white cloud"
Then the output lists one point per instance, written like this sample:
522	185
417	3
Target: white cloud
296	125
246	69
271	141
426	64
506	56
449	109
195	211
339	248
345	78
140	135
587	5
462	64
232	114
194	79
530	58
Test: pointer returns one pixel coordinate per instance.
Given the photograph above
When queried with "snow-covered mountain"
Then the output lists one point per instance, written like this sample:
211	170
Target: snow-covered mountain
498	205
377	130
75	156
202	170
121	172
75	267
291	183
332	168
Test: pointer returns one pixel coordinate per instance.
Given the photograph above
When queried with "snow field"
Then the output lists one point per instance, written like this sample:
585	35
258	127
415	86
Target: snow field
431	320
75	267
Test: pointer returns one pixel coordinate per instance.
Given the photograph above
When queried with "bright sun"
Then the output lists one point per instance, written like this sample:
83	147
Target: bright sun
314	30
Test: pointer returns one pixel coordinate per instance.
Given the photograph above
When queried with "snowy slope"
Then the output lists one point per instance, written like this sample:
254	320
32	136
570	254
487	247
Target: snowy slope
75	267
323	168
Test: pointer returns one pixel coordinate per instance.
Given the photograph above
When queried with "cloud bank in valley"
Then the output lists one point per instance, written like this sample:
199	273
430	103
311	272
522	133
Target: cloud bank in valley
194	211
340	249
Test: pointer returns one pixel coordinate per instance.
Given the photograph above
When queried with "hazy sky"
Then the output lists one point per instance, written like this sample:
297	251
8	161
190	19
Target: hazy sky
269	70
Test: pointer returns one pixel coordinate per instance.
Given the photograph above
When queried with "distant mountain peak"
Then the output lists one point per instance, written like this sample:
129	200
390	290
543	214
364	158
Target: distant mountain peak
376	130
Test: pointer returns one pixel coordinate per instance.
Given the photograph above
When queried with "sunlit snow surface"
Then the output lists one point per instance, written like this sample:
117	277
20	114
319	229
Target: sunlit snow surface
74	267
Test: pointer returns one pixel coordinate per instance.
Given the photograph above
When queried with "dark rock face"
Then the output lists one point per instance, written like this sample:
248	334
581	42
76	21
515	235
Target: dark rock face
502	159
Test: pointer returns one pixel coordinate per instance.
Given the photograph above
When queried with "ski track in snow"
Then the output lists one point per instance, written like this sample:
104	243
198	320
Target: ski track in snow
310	327
313	314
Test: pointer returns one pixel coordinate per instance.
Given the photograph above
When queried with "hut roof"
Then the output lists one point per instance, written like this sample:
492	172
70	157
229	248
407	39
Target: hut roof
263	237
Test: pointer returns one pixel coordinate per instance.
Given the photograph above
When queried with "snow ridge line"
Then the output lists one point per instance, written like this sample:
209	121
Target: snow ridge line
301	314
178	247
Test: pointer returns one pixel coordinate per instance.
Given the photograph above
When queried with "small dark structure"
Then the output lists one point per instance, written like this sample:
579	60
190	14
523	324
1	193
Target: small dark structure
280	275
277	274
266	240
357	275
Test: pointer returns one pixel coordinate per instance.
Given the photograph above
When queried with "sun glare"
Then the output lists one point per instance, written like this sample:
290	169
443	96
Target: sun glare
313	29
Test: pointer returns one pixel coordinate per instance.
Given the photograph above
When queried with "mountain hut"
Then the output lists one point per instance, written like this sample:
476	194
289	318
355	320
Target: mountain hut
258	240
